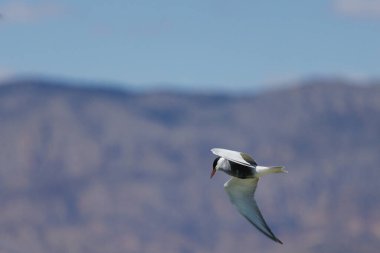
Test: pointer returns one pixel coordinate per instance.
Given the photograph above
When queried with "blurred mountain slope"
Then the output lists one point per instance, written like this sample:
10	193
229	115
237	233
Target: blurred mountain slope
107	170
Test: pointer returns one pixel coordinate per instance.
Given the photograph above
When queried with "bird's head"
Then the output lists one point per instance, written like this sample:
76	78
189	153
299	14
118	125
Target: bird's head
215	166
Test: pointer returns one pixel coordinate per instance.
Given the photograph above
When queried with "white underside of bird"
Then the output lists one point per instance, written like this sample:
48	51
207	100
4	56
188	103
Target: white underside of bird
242	186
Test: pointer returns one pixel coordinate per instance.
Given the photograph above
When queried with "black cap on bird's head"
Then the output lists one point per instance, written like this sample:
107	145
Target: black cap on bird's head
213	171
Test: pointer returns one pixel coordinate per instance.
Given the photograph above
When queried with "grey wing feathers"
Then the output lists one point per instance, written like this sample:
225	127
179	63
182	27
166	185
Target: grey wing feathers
234	156
241	193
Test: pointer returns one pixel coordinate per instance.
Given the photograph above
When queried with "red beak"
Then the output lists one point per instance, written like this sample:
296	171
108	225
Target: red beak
212	173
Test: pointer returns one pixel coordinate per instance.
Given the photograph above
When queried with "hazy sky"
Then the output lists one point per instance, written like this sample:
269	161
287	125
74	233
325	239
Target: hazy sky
203	43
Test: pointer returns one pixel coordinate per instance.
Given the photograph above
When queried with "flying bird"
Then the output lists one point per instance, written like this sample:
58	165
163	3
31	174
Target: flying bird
242	186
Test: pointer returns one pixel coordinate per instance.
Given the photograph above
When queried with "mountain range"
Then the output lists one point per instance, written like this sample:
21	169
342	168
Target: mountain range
97	169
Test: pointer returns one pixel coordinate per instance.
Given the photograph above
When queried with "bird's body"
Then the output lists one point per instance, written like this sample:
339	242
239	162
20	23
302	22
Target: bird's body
242	186
236	169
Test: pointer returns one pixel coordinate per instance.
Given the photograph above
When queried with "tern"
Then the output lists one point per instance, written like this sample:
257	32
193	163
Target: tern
242	186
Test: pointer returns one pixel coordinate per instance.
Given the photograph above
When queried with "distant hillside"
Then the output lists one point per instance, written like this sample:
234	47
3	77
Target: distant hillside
107	170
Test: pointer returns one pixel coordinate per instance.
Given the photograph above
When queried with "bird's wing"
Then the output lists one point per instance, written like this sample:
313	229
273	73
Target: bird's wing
235	156
241	193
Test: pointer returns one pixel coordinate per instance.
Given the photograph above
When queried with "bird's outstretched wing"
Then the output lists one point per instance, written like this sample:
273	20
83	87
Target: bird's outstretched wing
241	193
234	156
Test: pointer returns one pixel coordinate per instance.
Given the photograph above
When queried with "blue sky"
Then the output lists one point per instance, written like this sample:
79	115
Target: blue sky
206	44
